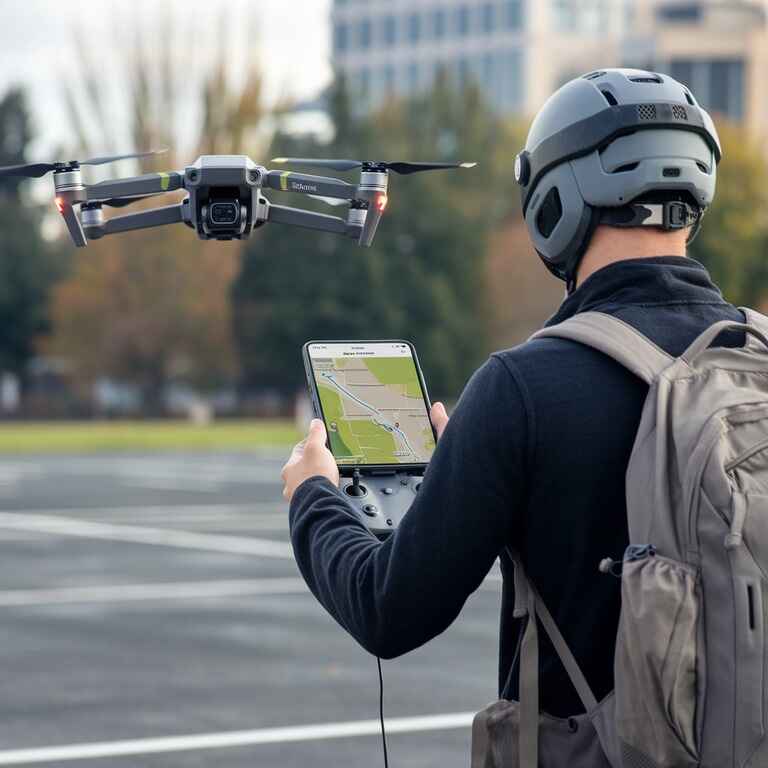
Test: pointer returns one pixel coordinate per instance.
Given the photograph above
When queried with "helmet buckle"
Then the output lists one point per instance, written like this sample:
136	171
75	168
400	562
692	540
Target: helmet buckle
677	215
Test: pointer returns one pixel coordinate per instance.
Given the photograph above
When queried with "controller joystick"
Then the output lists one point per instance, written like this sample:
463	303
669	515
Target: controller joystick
384	499
356	490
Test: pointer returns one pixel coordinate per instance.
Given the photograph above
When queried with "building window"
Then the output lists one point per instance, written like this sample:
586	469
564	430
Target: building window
414	28
413	74
586	16
364	34
488	18
388	79
462	21
718	84
510	94
565	16
439	23
389	31
684	12
340	38
513	14
462	71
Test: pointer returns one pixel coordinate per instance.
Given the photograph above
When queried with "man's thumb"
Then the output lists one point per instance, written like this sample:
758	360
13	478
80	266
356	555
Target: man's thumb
317	434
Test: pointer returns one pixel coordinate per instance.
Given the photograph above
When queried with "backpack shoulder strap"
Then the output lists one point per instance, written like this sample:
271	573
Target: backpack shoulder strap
615	338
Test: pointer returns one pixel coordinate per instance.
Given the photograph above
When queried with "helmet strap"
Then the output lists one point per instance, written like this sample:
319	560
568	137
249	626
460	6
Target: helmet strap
670	215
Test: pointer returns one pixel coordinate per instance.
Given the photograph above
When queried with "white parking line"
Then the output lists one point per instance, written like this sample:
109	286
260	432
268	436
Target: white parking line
164	537
171	590
255	511
289	734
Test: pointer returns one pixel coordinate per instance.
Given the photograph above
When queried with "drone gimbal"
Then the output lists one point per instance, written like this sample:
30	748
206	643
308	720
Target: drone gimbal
225	199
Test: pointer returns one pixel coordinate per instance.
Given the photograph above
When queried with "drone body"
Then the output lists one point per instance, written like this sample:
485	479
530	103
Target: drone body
225	196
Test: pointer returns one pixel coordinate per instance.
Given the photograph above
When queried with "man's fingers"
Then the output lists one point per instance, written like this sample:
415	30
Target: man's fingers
439	418
317	434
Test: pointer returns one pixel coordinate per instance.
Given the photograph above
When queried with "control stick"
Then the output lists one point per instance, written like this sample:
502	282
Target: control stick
356	489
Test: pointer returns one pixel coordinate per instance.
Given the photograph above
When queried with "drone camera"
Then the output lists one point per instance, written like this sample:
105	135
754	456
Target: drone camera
223	214
223	217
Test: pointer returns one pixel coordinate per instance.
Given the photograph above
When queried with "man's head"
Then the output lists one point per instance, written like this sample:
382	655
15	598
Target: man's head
622	149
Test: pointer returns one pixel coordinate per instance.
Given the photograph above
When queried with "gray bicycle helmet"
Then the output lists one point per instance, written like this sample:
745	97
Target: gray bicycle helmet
621	147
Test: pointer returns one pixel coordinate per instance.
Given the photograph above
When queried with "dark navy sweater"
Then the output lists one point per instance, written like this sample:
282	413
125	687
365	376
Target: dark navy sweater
534	457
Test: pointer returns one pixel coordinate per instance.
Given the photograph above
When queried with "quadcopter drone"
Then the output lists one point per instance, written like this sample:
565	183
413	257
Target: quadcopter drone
225	198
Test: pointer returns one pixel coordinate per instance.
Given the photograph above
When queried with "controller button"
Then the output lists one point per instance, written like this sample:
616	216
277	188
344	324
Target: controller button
352	490
371	510
387	491
389	522
403	481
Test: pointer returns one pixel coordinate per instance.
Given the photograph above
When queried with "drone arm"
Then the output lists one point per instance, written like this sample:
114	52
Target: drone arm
72	221
155	217
150	183
287	181
295	217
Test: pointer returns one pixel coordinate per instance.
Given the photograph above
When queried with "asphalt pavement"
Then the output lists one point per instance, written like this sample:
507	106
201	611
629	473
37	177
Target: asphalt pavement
152	615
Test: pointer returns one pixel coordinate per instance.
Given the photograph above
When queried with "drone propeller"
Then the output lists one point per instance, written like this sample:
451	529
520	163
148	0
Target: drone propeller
37	170
350	165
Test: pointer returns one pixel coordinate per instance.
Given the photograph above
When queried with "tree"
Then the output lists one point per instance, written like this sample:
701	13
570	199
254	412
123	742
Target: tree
422	279
29	267
152	306
734	234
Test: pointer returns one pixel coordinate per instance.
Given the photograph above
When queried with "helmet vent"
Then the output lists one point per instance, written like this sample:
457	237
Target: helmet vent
610	98
646	111
646	79
703	168
626	168
689	99
594	75
679	112
671	173
550	213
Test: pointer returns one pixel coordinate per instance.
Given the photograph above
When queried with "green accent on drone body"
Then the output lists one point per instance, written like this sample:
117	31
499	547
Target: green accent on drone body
165	181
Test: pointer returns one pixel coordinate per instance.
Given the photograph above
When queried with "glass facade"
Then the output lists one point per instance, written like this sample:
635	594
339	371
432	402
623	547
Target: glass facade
470	40
582	16
439	22
718	84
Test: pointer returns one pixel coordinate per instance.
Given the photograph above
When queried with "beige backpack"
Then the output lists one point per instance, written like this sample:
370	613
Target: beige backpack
690	663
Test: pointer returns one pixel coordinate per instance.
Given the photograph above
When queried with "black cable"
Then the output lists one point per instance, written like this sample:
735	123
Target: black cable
381	714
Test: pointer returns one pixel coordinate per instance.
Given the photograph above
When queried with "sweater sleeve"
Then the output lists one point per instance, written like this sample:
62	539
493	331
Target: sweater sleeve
395	595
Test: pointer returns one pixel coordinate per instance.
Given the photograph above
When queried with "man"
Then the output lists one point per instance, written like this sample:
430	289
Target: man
619	166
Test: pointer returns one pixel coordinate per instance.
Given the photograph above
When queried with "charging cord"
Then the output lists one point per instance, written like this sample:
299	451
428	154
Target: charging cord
381	714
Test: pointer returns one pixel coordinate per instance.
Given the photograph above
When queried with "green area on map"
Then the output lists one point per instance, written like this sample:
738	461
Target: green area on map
374	410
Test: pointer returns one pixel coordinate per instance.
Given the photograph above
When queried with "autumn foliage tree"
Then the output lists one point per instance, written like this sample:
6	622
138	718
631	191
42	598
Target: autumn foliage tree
151	307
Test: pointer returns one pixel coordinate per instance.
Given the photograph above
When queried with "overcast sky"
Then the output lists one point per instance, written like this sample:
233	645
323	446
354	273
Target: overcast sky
36	44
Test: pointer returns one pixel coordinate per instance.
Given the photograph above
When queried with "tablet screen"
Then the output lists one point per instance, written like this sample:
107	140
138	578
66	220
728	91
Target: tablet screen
372	402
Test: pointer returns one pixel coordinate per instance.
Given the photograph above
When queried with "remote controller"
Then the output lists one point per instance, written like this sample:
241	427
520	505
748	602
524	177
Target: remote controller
382	499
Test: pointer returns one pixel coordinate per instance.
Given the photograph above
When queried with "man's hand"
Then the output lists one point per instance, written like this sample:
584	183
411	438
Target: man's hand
439	417
309	459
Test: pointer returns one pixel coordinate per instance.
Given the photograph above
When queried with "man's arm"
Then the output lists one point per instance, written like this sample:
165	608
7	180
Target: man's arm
395	595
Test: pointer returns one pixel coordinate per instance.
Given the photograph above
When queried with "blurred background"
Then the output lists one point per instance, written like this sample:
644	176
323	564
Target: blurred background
150	384
158	324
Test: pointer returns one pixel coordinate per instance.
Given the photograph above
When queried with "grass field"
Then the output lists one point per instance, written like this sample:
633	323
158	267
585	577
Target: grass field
90	437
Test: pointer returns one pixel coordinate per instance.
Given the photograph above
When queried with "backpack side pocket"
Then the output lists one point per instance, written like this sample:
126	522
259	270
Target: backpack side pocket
563	742
655	664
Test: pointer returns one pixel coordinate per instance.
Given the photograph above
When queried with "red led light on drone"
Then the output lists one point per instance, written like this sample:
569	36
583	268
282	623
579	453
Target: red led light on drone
381	202
60	204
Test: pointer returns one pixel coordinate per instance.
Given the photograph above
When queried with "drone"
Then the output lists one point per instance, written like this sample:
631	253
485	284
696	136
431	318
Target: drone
225	195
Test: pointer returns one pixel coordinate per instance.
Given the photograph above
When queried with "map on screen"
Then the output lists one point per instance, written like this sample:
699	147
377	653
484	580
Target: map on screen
372	403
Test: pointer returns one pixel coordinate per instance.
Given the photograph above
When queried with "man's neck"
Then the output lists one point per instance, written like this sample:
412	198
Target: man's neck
611	244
